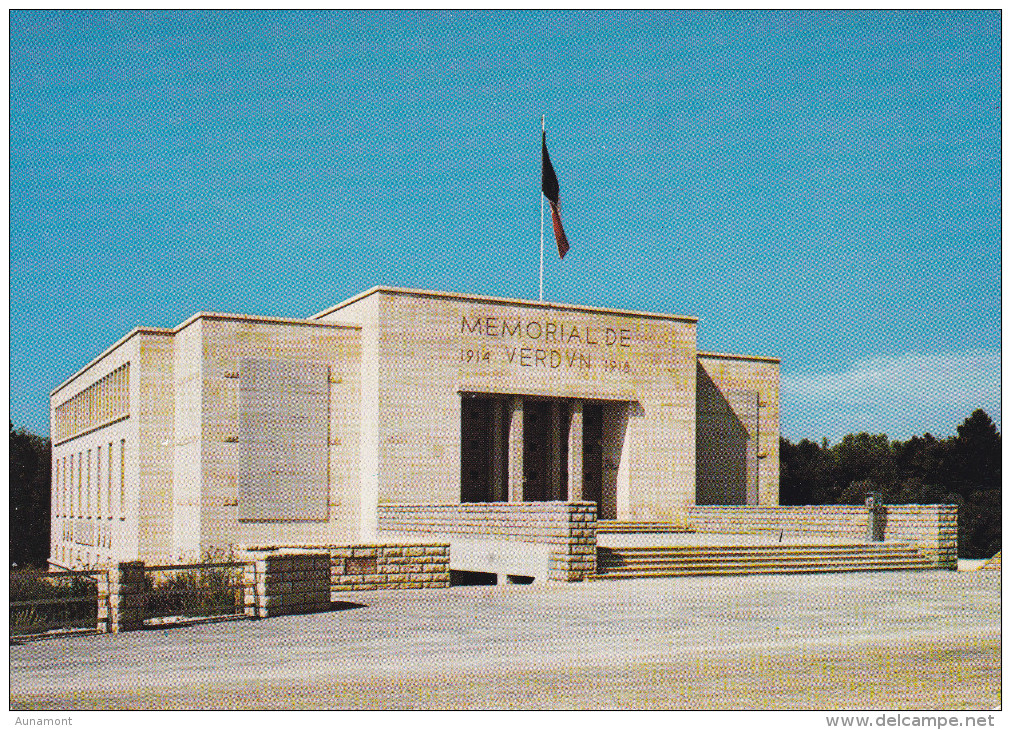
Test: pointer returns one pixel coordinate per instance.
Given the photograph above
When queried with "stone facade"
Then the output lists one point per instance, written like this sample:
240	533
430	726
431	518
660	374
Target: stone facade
388	566
427	398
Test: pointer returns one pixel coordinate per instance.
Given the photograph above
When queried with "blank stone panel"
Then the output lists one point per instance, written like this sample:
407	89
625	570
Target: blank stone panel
284	412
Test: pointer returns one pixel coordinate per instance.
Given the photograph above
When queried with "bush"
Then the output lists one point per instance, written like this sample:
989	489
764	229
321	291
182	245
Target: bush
34	585
203	590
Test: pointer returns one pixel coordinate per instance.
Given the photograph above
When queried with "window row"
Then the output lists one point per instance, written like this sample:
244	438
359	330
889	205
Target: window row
91	483
100	402
77	558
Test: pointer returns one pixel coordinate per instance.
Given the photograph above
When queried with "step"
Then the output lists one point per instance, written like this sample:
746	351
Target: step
745	564
604	554
748	550
643	525
759	560
601	564
774	546
811	568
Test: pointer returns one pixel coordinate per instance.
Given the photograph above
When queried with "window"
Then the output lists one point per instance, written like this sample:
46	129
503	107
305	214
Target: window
98	482
88	513
122	479
108	477
103	401
80	503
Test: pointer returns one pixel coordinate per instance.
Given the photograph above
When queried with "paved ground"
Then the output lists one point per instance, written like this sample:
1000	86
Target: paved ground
899	640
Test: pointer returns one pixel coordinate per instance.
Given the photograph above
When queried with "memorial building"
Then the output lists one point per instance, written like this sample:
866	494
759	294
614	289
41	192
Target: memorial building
241	430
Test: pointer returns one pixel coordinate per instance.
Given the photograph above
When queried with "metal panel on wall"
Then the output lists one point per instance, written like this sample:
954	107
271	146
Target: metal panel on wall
284	413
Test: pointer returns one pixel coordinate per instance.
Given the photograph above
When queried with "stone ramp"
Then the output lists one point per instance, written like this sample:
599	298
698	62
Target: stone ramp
664	562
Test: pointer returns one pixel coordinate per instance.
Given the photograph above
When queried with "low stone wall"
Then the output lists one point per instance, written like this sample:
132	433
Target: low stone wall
931	528
490	536
279	583
374	566
391	566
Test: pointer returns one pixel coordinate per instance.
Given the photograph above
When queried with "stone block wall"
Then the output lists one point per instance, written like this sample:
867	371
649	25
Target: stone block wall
279	583
390	566
569	528
931	528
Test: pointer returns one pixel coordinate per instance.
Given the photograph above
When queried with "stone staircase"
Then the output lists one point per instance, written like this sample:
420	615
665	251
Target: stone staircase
628	527
665	562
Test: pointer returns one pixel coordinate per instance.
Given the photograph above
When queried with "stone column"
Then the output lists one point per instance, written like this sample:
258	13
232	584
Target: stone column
557	489
499	477
516	449
575	451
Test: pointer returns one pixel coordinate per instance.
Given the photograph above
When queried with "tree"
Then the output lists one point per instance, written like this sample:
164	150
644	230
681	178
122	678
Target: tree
964	470
974	461
29	498
863	463
805	473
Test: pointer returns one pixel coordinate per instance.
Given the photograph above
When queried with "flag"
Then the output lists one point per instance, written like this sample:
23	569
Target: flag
549	186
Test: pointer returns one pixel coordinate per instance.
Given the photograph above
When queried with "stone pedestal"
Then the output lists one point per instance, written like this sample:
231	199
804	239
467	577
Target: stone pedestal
278	584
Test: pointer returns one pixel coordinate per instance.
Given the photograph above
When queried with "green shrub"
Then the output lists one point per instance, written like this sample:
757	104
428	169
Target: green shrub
34	585
203	590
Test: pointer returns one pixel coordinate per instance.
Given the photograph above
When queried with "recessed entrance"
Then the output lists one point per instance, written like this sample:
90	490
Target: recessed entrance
536	449
484	457
545	450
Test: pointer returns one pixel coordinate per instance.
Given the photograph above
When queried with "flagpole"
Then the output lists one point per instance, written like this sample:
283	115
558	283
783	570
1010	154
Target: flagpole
542	222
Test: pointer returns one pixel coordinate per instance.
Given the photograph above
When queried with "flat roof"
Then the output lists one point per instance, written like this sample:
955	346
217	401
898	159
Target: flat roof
199	315
728	356
400	291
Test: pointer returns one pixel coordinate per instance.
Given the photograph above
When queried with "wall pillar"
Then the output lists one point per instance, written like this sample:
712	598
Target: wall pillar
575	451
516	449
123	606
278	584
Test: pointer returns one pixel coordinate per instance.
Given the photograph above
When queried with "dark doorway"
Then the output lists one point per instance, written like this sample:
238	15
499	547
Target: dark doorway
545	449
726	458
593	464
484	460
536	450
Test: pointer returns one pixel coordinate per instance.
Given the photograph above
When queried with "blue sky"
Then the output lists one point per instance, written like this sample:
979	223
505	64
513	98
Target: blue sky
823	187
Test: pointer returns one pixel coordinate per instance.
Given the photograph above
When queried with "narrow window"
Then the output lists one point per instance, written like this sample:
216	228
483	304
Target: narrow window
122	479
98	482
75	494
108	477
87	485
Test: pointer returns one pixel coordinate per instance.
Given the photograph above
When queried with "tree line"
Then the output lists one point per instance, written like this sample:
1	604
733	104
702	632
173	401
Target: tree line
29	498
962	470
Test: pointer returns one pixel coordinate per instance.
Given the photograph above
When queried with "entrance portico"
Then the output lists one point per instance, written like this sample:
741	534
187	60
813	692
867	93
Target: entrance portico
541	449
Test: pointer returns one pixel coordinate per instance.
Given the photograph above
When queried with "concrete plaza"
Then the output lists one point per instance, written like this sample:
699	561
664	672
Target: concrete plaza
882	640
